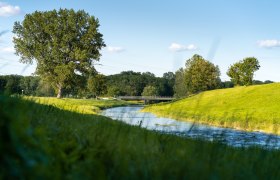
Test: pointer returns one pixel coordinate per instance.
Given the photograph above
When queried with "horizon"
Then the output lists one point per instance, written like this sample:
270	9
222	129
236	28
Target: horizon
159	37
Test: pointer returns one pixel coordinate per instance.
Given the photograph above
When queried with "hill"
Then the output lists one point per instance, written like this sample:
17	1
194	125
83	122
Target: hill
253	108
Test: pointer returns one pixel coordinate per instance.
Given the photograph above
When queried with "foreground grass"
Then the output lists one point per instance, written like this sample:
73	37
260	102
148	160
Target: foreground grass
84	106
42	142
248	108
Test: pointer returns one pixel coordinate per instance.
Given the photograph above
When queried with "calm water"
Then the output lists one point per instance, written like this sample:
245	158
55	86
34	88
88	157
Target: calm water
132	116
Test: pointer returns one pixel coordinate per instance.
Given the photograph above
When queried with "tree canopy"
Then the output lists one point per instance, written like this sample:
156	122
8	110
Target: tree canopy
133	83
201	75
242	72
64	44
97	85
150	91
198	75
180	88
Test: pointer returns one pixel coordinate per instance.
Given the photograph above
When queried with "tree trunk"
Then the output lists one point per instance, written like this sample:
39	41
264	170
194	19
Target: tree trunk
59	91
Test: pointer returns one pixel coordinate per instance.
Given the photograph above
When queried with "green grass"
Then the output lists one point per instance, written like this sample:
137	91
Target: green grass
85	106
249	108
44	142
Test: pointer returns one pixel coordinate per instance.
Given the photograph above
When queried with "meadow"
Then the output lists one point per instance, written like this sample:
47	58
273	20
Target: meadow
252	108
41	141
84	106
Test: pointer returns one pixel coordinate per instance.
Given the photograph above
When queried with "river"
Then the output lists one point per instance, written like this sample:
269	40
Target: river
237	138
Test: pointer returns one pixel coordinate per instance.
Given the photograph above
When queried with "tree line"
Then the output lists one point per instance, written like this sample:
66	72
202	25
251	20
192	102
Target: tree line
126	83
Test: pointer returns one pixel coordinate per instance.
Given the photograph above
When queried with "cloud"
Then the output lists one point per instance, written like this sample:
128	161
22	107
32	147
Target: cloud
7	50
112	49
178	47
8	10
270	43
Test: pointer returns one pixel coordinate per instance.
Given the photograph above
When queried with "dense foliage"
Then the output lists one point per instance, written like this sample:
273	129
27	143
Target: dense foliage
64	44
149	91
125	83
25	85
201	75
180	87
96	85
100	85
133	83
198	75
242	72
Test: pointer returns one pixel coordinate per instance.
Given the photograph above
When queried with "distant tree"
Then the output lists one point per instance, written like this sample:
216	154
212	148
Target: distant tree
201	75
149	91
63	43
114	91
45	89
149	74
29	84
133	83
234	72
227	84
169	76
168	83
97	85
3	82
257	82
242	72
268	82
12	85
249	66
180	88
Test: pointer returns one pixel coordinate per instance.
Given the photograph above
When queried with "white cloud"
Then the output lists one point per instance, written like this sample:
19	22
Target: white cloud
270	43
178	47
112	49
7	50
8	10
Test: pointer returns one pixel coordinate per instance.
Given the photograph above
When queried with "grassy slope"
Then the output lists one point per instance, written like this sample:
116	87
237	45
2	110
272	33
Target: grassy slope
44	142
85	106
250	108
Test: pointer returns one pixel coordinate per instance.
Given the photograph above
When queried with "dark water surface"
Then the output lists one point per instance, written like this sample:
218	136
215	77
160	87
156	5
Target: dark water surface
132	115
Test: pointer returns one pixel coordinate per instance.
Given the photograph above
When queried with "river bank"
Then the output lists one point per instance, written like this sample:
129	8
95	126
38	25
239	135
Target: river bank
252	108
45	141
132	115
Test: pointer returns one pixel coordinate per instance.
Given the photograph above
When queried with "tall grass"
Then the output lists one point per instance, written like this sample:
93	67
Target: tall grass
42	142
250	108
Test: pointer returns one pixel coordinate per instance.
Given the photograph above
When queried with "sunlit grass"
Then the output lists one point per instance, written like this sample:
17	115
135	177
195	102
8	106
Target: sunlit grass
43	142
250	108
85	106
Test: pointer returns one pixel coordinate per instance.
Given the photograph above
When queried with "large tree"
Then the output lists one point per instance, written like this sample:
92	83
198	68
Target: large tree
242	72
63	43
201	75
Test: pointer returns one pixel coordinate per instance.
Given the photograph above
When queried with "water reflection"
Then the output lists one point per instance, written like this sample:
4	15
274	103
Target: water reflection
237	138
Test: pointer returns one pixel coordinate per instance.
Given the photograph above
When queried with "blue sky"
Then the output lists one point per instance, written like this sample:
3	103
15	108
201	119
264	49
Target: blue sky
159	36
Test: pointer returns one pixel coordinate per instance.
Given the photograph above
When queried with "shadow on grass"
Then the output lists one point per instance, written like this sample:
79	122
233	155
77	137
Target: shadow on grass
41	141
